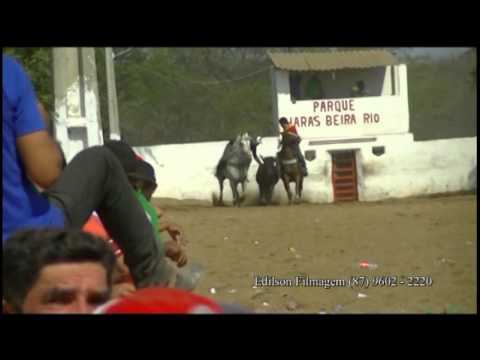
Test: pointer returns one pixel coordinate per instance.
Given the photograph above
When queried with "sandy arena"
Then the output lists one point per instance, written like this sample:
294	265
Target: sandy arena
433	237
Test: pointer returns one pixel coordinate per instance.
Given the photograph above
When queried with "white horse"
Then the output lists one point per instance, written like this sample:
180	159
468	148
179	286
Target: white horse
234	165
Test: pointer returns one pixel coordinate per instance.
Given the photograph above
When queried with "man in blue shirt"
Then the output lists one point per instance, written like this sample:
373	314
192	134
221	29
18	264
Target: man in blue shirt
93	181
22	205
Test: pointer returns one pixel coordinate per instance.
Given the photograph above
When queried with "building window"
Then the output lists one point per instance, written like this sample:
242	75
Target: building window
305	86
295	86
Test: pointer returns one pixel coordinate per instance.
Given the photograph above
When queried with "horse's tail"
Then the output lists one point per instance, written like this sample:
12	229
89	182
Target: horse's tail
219	169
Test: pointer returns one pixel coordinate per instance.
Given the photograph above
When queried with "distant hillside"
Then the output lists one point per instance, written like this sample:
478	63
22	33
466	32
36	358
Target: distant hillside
177	95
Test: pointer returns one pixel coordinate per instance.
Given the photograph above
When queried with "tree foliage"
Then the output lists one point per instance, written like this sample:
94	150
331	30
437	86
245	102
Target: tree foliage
38	64
178	95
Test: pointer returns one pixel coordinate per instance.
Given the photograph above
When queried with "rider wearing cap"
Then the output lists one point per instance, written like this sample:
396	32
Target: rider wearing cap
292	130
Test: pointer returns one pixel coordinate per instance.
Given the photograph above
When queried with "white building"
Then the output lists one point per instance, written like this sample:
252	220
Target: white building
359	148
314	91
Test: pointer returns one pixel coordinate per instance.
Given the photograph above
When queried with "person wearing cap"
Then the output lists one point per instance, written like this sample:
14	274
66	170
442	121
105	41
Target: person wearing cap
144	183
291	129
141	176
92	181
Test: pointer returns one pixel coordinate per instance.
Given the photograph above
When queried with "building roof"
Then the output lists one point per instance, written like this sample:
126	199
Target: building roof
335	60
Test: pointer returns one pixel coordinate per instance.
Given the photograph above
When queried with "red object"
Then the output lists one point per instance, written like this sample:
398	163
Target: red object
95	227
364	264
292	129
160	301
138	157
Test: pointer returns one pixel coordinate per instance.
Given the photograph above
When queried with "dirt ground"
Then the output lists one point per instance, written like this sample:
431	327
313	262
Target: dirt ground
433	237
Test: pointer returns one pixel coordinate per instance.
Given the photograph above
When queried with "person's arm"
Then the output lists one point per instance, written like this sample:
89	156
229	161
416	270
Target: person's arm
174	248
174	231
38	151
41	158
176	253
159	211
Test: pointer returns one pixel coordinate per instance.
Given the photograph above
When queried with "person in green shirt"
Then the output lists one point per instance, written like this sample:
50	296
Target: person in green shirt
144	184
313	88
141	176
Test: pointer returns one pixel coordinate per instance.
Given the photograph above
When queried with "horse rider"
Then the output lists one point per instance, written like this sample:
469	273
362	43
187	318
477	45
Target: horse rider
291	129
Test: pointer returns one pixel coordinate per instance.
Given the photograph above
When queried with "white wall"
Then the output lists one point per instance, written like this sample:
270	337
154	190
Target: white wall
406	169
425	167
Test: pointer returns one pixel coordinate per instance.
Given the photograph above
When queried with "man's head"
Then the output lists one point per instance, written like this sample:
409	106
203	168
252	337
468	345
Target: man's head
53	271
283	123
359	86
143	178
140	173
124	152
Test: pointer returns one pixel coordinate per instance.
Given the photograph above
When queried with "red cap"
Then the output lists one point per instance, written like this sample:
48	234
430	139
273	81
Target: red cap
160	301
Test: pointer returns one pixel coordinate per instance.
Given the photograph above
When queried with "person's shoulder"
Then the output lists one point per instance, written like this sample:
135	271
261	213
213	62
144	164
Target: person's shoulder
10	74
10	65
7	60
13	76
143	200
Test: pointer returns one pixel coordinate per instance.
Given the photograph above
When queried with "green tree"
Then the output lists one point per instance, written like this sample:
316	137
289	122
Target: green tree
38	64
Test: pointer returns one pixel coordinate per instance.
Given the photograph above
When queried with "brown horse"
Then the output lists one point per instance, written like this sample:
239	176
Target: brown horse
290	170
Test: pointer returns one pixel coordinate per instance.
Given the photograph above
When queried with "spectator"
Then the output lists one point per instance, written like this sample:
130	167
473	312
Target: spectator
291	129
313	88
358	89
122	280
142	178
51	271
94	180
